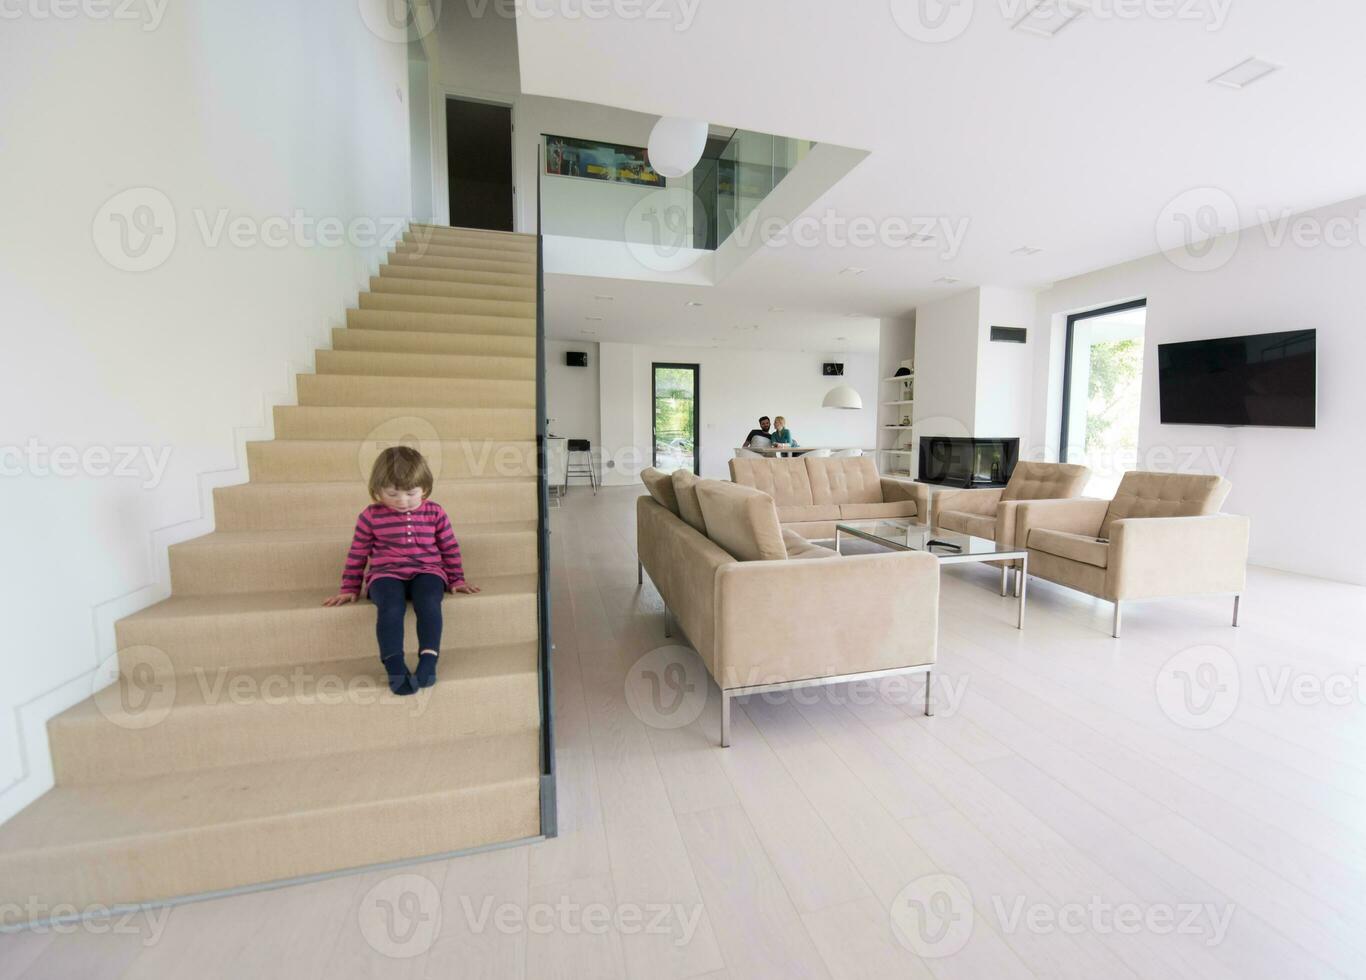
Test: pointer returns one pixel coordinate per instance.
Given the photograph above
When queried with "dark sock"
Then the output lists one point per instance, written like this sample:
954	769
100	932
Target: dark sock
400	680
426	670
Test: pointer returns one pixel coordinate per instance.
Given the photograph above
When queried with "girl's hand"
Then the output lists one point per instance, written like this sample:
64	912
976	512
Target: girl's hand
340	599
466	588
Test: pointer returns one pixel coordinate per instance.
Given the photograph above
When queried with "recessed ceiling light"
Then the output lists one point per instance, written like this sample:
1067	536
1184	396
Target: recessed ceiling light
948	280
1047	17
776	309
1026	250
604	299
853	316
1244	73
593	316
692	302
852	270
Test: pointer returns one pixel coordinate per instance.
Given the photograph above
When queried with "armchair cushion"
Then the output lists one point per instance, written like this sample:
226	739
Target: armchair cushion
785	480
685	489
1045	481
1078	547
1147	494
978	525
741	520
1076	515
661	487
981	502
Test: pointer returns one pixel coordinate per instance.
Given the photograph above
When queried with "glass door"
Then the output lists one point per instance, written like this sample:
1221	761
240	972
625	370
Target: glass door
673	394
1102	381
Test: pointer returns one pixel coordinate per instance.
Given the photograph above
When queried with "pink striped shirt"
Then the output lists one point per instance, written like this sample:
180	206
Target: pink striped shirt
402	545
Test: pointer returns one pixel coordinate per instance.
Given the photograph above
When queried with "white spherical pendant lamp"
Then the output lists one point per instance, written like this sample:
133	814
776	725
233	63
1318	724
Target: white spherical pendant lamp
842	396
676	145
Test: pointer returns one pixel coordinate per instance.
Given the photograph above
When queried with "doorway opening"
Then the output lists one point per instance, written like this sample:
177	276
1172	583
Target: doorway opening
674	401
1102	384
479	164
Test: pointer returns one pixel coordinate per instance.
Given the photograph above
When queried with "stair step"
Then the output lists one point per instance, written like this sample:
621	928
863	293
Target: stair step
143	840
148	724
391	364
252	629
407	303
312	558
521	245
512	261
481	234
425	422
394	392
523	280
266	506
460	323
440	287
320	460
415	342
427	260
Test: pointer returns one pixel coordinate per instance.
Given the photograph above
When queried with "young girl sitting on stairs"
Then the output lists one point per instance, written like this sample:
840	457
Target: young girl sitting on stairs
412	554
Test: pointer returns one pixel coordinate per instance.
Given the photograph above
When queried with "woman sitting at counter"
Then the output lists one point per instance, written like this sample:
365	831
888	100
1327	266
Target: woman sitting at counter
782	435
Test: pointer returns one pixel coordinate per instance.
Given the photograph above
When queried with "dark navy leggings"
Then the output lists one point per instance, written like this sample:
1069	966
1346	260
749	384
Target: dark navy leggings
390	596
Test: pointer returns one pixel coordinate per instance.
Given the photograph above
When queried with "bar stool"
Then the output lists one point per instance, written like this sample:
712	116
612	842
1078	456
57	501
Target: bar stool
584	447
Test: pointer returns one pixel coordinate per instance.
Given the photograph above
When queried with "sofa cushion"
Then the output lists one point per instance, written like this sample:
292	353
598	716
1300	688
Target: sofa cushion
872	512
785	480
685	489
741	520
1078	547
808	514
1145	494
1046	481
978	525
848	480
798	547
661	487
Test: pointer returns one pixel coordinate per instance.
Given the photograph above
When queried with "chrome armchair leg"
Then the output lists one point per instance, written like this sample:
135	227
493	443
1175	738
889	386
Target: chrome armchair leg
640	574
929	694
1115	631
1237	605
668	622
725	720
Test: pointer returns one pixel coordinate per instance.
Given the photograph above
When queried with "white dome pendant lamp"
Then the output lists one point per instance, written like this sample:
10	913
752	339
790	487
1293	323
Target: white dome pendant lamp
842	396
676	145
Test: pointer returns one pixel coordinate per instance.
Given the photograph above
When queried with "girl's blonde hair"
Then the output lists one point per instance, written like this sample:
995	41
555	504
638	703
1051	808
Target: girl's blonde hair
403	468
778	421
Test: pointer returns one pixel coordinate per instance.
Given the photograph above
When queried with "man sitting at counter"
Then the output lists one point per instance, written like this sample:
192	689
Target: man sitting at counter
760	438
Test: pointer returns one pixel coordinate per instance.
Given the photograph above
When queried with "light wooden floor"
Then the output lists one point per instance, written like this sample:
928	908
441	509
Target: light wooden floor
1052	820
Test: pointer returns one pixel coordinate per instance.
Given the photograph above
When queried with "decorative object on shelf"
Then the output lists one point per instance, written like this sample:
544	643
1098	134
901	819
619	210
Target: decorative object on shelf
905	420
902	372
593	160
676	145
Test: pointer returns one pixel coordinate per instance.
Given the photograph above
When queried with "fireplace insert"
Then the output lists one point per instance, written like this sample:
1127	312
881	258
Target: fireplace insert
967	462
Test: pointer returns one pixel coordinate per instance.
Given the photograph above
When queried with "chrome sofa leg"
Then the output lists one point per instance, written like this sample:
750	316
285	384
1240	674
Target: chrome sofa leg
640	574
929	694
1237	606
725	720
1115	631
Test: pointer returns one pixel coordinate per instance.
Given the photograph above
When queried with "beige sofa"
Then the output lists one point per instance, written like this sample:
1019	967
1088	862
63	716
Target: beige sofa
812	494
767	610
1162	536
990	512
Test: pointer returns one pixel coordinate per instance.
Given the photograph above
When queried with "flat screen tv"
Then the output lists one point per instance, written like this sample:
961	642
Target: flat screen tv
1262	379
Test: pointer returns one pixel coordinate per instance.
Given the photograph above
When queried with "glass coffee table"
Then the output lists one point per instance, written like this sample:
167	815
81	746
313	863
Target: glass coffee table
950	547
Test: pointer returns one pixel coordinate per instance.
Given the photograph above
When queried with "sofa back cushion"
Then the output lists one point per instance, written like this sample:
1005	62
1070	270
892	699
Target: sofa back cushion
742	520
1046	481
784	480
1146	494
851	480
661	487
685	489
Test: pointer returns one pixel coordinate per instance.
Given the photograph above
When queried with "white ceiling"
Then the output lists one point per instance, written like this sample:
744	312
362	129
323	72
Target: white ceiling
1073	144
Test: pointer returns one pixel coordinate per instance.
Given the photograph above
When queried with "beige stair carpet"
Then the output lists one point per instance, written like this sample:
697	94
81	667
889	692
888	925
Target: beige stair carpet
251	736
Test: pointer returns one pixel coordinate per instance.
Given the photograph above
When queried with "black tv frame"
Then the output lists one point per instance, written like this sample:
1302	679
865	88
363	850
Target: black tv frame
1163	420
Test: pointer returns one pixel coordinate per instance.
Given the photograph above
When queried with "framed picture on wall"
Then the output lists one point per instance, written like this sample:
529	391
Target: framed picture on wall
595	160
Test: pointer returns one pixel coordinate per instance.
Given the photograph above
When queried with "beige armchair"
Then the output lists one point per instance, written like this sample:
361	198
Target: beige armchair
1162	536
990	513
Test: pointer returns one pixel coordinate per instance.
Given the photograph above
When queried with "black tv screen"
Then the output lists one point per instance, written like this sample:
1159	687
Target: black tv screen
1262	379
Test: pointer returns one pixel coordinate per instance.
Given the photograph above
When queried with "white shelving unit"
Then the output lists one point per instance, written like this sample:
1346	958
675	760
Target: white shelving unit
894	438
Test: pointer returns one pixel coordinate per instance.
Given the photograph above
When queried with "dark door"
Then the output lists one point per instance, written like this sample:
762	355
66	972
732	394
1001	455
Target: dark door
479	164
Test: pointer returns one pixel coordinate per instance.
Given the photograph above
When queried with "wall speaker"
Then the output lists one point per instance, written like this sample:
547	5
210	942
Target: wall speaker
576	358
832	369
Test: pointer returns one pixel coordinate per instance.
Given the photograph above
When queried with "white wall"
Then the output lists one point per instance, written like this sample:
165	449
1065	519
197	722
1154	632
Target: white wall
947	334
571	393
1005	372
253	109
1301	488
737	386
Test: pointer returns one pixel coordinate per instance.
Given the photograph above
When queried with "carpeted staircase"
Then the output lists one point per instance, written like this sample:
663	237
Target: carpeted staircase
251	736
